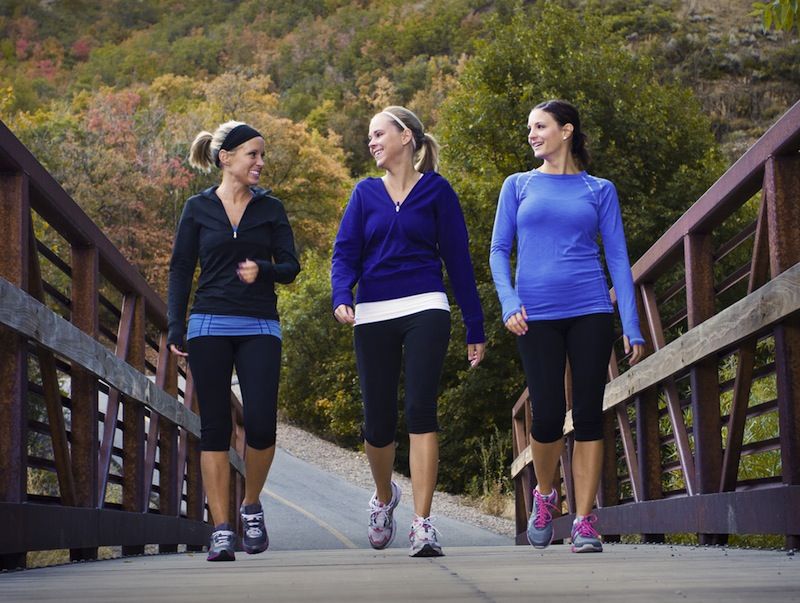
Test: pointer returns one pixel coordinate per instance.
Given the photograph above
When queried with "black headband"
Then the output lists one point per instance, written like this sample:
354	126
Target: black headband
238	135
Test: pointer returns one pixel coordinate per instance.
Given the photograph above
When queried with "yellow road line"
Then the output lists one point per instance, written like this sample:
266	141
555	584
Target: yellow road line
336	533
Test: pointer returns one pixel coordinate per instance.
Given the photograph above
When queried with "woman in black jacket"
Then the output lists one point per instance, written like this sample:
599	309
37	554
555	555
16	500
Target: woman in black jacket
242	238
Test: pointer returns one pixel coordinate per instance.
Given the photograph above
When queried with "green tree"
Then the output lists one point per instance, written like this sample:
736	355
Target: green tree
319	384
779	14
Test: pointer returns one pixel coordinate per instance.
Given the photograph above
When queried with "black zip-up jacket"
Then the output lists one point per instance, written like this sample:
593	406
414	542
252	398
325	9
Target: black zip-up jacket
204	231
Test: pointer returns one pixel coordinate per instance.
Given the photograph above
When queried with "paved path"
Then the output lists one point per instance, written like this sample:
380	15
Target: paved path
623	573
307	508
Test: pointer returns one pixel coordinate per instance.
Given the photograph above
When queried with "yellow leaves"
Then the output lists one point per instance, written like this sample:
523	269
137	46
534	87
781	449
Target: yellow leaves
379	93
234	94
6	99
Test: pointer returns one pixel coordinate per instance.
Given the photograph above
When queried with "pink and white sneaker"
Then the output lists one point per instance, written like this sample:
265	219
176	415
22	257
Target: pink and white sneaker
382	526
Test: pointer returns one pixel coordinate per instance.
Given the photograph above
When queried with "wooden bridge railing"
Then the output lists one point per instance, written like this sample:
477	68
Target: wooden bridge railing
703	436
98	431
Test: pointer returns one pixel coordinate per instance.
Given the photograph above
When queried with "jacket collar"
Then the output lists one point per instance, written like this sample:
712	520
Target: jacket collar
258	192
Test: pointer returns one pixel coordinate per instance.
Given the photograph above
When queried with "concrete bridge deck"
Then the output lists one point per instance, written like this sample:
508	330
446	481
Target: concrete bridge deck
640	573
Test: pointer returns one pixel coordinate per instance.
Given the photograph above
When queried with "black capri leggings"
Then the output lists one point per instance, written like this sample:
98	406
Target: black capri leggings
586	341
257	359
420	340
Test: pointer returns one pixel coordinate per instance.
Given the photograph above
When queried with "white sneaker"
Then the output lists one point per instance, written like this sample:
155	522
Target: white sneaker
423	537
382	526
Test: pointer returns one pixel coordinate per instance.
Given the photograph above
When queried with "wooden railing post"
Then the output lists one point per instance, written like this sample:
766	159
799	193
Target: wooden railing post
169	474
15	225
648	434
608	492
133	444
84	431
698	253
648	444
782	192
190	450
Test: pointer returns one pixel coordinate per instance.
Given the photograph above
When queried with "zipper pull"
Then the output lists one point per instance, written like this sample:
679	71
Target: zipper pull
397	207
235	231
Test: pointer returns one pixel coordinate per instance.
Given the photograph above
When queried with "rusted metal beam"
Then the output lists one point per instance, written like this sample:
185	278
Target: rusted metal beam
124	333
698	252
14	245
631	458
670	390
648	446
84	309
33	527
51	390
734	187
170	475
133	430
59	210
759	274
782	192
720	513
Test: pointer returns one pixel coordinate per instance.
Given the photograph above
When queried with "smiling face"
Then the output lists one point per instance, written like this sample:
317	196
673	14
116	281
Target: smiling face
387	142
546	136
246	161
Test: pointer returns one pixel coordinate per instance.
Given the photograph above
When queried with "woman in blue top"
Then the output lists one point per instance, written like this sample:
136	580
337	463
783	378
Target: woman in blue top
241	236
559	306
394	234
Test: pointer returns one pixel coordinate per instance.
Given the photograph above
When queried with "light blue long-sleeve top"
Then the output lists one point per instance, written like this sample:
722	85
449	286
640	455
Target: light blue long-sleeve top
556	220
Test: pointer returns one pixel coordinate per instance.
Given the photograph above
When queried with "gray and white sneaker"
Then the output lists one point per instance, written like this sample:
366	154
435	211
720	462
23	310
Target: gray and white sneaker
540	523
424	538
221	547
254	533
382	526
585	538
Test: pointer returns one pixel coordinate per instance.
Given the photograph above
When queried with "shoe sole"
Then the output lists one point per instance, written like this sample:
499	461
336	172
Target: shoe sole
539	546
428	551
587	548
223	556
255	550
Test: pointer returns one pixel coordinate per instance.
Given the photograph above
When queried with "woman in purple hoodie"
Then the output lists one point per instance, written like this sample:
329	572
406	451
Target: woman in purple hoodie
394	235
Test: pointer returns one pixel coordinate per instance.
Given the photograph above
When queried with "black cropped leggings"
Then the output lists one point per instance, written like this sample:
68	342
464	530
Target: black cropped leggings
586	341
257	359
419	341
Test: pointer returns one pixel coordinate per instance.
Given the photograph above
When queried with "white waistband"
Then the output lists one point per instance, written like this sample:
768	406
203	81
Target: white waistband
368	312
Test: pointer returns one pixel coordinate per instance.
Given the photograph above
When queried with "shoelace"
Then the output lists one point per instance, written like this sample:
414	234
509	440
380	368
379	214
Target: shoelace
543	514
428	531
222	538
253	522
584	527
379	516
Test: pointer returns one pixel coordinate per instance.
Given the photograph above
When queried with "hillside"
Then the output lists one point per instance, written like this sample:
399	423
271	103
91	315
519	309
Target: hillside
332	62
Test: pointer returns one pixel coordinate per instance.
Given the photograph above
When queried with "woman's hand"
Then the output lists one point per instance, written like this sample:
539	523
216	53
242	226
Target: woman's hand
518	323
344	314
177	351
247	271
638	350
475	353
